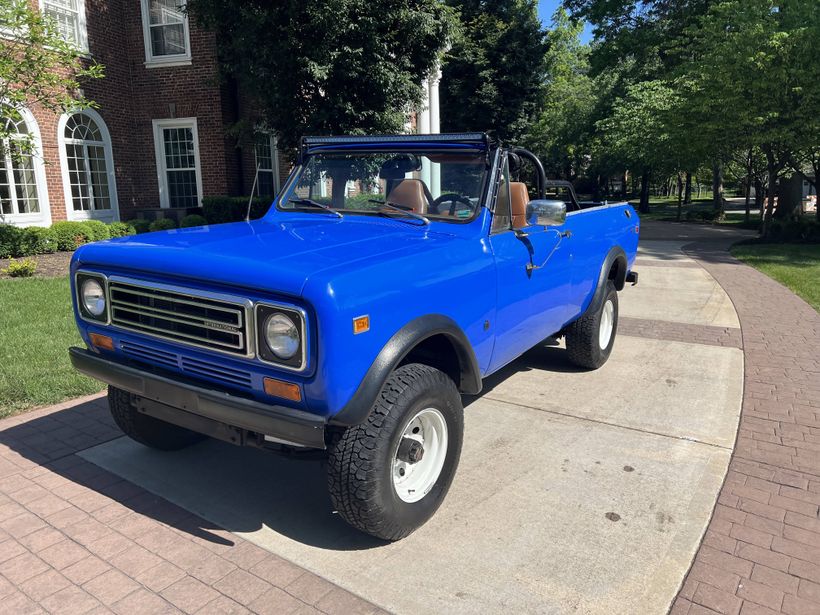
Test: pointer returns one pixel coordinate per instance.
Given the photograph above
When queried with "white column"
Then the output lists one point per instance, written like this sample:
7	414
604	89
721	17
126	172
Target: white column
435	128
423	128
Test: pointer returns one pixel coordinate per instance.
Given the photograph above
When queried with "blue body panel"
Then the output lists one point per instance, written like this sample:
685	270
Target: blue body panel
337	269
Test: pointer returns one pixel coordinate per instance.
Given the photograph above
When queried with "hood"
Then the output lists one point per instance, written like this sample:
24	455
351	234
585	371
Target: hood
276	256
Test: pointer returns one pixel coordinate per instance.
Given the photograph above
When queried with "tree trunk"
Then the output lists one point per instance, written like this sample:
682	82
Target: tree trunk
748	186
771	168
687	194
643	207
717	188
759	201
680	195
698	190
624	184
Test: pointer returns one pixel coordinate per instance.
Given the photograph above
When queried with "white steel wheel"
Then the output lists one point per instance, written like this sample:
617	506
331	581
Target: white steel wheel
607	324
419	455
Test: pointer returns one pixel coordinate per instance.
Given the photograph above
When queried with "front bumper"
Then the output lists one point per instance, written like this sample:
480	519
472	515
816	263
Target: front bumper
204	410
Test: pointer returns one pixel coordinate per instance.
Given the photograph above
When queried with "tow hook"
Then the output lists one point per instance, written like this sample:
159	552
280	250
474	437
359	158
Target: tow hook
410	450
632	277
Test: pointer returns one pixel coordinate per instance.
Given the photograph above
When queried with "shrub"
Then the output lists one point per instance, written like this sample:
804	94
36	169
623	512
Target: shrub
9	240
192	220
21	269
219	209
162	224
71	235
36	240
97	231
121	229
796	231
139	225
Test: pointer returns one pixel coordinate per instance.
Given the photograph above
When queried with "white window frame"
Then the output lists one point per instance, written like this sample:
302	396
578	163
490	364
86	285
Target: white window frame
159	153
105	215
152	61
42	217
82	42
274	159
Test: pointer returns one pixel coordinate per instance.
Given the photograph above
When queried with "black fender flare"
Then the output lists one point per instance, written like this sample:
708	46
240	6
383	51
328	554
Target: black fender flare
615	254
356	411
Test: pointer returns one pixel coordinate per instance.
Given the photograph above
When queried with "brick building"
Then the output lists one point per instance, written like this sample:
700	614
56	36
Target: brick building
159	137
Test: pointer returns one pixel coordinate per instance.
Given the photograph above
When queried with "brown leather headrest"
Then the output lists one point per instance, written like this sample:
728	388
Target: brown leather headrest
409	193
519	198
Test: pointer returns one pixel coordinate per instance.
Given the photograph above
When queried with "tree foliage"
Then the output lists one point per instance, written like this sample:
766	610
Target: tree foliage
561	131
338	66
493	75
37	67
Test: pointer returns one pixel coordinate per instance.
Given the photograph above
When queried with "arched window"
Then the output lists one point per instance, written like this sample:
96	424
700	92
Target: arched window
22	187
88	168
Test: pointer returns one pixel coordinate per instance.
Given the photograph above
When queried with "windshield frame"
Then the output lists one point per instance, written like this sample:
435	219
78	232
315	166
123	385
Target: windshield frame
288	189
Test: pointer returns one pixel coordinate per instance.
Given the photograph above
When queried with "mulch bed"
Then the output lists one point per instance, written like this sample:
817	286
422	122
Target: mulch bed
48	265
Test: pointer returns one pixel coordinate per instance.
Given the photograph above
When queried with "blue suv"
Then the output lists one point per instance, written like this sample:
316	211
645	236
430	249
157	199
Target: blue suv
389	277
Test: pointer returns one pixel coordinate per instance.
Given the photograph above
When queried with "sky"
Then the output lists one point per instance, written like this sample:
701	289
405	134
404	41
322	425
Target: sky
545	10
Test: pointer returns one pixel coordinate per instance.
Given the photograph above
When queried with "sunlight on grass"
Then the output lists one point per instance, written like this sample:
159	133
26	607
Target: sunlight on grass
794	265
36	329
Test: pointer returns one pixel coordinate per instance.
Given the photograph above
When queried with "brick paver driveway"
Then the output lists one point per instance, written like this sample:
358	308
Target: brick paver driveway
761	553
76	538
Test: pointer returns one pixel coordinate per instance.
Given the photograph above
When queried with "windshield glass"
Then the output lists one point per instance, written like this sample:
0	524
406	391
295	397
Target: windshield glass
439	186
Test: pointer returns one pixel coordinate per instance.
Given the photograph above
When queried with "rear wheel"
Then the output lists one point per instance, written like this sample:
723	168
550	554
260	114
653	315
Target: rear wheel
146	429
389	475
590	338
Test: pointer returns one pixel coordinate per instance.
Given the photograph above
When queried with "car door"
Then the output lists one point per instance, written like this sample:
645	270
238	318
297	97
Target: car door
533	278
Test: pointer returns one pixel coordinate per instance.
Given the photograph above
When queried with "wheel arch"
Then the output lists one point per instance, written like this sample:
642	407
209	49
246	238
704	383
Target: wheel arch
613	268
434	340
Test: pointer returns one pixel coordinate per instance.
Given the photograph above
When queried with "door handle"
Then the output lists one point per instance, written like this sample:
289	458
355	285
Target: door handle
566	234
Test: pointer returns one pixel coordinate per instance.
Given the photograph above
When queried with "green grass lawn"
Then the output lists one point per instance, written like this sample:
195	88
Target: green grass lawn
36	329
665	209
794	265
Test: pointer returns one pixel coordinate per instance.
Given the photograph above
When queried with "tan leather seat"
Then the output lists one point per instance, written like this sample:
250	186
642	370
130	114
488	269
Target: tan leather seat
519	199
409	193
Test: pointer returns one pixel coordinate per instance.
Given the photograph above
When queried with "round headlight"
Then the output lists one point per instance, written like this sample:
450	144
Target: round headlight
282	335
93	297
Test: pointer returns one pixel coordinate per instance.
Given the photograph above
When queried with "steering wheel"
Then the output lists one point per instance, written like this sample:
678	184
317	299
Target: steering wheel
452	197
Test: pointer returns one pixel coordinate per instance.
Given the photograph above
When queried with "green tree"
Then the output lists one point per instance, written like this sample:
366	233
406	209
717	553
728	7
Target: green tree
336	66
758	54
37	68
492	78
638	132
561	132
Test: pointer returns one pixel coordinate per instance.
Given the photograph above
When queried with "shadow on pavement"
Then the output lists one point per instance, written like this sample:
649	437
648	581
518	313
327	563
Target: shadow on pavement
287	493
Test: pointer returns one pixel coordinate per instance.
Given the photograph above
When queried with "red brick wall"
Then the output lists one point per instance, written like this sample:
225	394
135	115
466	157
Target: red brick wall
132	95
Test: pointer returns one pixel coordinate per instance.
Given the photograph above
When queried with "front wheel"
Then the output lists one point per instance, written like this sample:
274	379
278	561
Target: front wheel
146	429
389	475
590	338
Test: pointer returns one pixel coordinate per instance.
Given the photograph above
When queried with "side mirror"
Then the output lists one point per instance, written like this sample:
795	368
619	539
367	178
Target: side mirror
544	212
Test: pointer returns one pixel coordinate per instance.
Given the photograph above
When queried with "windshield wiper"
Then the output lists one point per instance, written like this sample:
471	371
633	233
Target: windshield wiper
402	210
312	203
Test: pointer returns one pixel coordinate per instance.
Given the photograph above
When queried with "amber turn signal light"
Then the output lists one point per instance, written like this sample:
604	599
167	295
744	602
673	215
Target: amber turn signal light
101	341
285	390
361	324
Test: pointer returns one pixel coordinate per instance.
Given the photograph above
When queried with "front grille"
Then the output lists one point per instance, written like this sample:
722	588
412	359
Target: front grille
152	355
195	367
182	317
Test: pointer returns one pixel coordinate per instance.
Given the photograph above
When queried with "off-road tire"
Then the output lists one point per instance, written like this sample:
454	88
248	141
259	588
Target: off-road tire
360	458
146	429
582	336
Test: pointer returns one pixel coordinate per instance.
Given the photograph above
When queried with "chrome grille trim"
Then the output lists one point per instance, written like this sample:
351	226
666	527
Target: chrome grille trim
213	321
